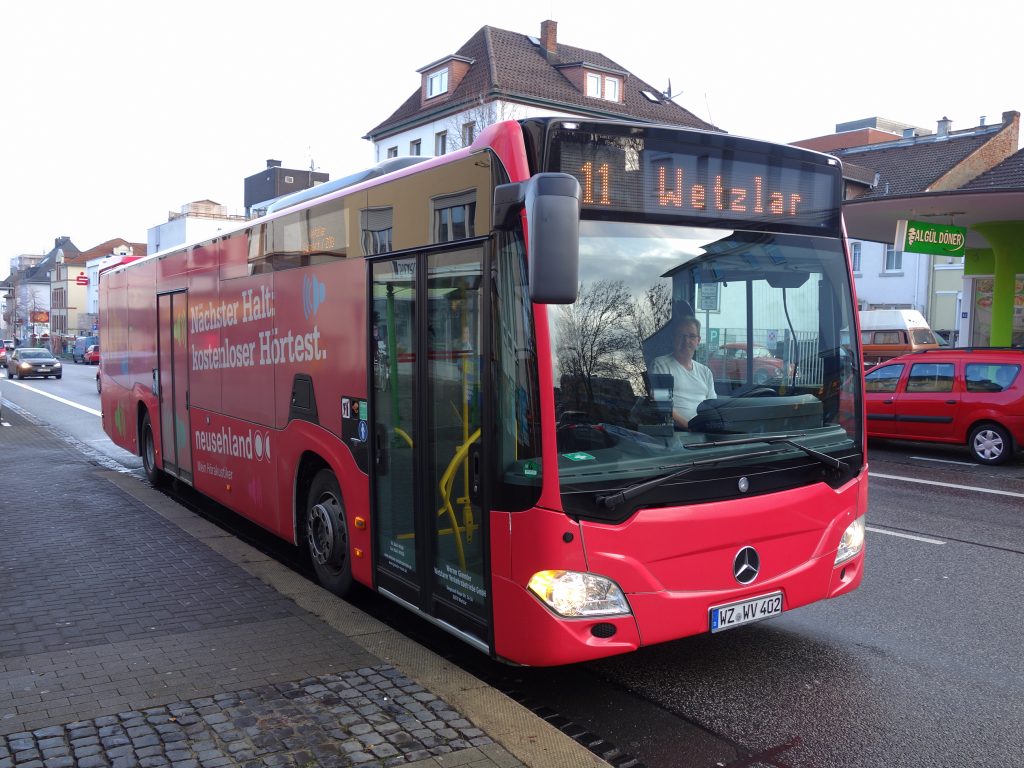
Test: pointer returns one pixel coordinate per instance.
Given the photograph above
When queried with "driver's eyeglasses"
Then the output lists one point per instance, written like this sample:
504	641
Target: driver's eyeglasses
690	336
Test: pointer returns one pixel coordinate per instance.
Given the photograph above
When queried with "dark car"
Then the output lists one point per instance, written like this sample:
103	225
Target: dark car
965	396
33	361
92	354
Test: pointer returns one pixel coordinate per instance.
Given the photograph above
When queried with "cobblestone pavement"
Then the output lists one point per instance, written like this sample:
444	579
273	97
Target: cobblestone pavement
371	716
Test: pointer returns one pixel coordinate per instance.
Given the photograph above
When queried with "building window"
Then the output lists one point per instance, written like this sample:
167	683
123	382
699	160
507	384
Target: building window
468	133
440	143
893	259
414	148
611	89
437	83
855	256
392	151
289	179
602	87
454	217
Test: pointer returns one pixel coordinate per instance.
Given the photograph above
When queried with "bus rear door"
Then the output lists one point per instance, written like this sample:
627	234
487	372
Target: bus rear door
172	383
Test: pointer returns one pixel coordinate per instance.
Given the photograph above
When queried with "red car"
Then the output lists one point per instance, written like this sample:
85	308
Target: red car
966	396
92	354
729	363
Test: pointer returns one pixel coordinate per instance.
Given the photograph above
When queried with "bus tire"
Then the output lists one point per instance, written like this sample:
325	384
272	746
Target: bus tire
327	534
147	449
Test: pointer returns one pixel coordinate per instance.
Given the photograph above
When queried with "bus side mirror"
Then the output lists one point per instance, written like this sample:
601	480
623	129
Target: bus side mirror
552	202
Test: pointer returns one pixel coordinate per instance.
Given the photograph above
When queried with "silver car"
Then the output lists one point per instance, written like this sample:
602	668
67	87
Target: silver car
32	361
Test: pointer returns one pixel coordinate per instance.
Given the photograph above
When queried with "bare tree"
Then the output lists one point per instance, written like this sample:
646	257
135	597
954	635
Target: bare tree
594	334
647	313
483	114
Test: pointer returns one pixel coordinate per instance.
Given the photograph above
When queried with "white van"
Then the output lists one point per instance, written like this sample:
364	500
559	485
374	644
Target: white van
888	333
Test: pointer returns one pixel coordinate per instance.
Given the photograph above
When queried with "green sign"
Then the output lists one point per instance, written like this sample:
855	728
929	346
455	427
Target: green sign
936	239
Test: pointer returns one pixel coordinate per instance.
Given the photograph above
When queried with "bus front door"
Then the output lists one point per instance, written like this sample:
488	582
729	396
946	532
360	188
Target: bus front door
172	383
427	338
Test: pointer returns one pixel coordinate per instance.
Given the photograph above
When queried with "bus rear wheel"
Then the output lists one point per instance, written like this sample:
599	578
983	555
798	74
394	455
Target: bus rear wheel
327	534
147	448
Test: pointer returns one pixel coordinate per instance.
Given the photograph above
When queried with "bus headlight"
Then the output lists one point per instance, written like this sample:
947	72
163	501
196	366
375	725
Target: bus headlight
852	542
571	593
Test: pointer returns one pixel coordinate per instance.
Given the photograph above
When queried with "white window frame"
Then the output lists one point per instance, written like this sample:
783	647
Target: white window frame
392	151
855	256
611	88
893	259
440	143
415	148
468	133
605	87
437	83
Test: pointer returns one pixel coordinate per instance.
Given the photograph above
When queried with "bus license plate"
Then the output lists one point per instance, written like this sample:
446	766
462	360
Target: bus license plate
745	611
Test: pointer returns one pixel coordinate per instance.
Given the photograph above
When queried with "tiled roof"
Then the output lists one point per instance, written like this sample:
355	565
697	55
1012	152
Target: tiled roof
512	67
908	167
106	248
1009	174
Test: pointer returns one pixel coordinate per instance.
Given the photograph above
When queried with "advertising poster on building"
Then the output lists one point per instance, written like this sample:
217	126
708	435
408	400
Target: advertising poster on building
982	300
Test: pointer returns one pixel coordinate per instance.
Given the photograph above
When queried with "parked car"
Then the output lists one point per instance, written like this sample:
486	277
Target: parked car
966	396
82	343
6	347
33	361
92	354
729	363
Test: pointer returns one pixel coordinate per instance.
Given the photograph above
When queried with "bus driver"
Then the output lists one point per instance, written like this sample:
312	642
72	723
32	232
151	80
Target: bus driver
692	382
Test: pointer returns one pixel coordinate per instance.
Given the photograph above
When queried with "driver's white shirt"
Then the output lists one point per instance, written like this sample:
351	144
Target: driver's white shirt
689	388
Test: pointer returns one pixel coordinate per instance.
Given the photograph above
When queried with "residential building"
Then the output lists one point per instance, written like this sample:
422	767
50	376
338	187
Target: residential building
84	320
18	296
883	159
502	75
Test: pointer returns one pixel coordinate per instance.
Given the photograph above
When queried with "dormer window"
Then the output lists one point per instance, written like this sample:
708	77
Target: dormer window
602	86
437	83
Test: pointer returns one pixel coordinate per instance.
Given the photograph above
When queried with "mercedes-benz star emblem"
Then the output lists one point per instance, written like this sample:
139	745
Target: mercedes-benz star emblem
746	565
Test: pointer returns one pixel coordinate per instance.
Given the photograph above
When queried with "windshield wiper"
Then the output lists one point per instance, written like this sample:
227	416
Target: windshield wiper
824	458
612	500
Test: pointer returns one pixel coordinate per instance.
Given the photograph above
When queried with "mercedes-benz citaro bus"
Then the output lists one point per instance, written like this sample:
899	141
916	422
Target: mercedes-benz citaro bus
443	382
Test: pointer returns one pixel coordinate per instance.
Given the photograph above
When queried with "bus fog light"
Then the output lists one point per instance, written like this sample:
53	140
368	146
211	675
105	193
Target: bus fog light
852	542
571	593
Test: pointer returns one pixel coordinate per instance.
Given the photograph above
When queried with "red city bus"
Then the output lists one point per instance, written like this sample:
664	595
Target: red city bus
440	381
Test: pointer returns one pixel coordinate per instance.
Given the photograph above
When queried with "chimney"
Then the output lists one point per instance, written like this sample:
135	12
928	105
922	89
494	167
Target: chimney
944	126
982	123
273	163
549	36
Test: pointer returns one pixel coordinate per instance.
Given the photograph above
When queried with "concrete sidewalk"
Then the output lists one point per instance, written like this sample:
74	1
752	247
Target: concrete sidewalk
133	633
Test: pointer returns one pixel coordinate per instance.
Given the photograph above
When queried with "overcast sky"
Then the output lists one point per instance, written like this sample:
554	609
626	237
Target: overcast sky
115	113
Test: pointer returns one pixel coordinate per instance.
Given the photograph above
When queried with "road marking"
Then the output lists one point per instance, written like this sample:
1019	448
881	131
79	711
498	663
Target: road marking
1013	494
903	535
945	461
44	393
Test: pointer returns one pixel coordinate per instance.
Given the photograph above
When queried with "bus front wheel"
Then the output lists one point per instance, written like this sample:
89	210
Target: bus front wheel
327	534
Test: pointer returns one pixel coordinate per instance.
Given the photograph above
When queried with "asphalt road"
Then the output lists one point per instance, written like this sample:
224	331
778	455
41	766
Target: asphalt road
922	666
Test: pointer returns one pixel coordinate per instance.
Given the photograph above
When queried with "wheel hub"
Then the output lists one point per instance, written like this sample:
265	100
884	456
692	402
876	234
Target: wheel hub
320	531
988	444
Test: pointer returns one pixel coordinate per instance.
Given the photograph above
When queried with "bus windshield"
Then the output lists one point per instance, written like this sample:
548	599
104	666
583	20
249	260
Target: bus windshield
691	348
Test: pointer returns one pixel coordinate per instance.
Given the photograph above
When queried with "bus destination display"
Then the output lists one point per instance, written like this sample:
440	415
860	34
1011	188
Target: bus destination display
639	175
